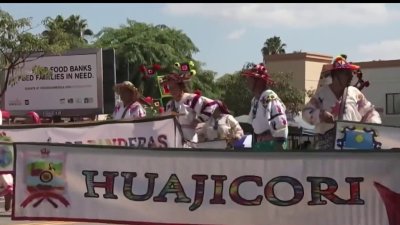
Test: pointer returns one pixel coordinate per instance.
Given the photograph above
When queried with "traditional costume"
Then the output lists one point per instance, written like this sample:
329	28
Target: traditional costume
355	107
131	111
267	114
223	127
191	108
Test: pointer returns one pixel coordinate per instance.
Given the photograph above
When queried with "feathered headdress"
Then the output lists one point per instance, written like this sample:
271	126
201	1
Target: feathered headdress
149	72
185	71
340	63
257	71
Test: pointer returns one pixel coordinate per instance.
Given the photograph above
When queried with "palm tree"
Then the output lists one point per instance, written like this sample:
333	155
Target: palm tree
72	28
273	46
78	27
53	28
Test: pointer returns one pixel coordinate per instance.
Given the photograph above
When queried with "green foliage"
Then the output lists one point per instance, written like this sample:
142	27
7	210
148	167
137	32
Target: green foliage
204	81
139	44
70	32
238	97
142	43
17	45
290	95
235	93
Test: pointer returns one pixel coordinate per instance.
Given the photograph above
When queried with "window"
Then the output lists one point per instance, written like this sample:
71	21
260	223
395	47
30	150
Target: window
393	103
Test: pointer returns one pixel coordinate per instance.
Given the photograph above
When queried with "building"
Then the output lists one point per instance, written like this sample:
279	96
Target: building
305	67
384	88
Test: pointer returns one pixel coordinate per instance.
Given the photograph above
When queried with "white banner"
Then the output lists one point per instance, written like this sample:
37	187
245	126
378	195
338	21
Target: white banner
158	133
6	158
70	183
354	135
72	85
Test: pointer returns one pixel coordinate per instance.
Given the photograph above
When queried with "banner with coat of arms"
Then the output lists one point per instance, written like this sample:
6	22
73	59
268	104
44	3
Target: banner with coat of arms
70	183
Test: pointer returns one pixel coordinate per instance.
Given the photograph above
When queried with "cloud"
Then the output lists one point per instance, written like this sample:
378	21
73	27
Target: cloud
236	34
384	50
289	15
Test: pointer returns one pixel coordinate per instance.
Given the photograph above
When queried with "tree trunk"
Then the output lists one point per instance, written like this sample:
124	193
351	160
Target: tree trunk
5	85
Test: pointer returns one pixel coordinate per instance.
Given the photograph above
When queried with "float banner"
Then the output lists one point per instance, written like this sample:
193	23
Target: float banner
70	183
161	132
366	136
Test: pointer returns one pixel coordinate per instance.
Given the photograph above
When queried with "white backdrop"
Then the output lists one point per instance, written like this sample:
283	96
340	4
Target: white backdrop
77	91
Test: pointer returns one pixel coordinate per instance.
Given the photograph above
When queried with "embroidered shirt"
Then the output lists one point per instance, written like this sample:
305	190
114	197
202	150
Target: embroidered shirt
268	113
191	107
135	110
357	108
226	126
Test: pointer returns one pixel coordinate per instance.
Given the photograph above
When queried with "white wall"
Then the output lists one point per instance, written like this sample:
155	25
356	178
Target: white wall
313	72
382	81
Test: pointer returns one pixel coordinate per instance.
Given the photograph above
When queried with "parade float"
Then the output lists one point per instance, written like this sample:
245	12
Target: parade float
137	172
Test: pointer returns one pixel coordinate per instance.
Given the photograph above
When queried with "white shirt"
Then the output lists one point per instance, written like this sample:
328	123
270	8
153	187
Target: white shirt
269	113
357	108
190	107
135	110
226	126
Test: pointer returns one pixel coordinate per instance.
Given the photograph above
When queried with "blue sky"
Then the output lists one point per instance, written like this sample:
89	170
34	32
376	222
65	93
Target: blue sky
228	35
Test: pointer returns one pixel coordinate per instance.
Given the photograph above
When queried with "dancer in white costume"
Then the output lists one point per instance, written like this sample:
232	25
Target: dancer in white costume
190	108
338	100
268	112
129	107
221	126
